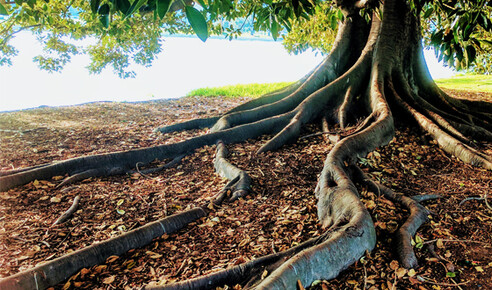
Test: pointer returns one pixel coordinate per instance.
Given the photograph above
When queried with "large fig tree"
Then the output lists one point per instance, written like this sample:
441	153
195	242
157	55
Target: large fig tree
374	74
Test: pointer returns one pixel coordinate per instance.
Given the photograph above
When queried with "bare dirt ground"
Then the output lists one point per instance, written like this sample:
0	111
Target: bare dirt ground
454	248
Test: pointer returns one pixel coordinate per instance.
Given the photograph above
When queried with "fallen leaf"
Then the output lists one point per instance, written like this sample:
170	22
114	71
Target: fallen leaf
439	243
55	199
394	265
111	259
401	272
66	286
108	280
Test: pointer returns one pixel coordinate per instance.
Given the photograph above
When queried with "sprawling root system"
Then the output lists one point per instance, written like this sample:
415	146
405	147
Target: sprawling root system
374	74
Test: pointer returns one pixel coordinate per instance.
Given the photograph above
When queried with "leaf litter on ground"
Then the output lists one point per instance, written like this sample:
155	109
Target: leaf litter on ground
454	248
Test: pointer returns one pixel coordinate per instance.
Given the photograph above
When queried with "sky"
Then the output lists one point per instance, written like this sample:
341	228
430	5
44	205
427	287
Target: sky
186	63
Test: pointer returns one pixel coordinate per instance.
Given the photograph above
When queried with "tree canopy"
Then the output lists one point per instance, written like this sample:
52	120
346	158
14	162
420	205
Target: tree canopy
126	31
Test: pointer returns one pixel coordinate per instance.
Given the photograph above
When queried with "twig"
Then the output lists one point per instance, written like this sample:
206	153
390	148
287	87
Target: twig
140	172
365	275
470	198
65	216
67	235
456	284
145	172
317	134
452	240
46	243
486	202
427	280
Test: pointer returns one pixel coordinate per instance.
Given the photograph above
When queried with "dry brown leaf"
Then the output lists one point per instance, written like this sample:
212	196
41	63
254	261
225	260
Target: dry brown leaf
394	265
108	280
66	286
111	259
439	243
400	272
55	199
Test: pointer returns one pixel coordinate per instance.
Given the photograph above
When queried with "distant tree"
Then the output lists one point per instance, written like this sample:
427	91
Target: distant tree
375	68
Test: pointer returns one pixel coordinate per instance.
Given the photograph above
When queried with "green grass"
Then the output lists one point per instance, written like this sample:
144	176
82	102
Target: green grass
241	90
468	83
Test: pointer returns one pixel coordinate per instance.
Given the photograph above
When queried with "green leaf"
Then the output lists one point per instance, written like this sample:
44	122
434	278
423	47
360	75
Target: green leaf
104	20
123	5
471	53
163	7
419	243
451	274
120	211
428	12
18	2
120	202
31	3
3	10
274	28
467	32
104	9
104	15
135	6
202	3
197	22
95	5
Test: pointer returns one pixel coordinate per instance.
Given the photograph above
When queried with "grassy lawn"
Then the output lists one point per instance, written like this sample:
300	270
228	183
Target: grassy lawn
463	83
241	90
468	83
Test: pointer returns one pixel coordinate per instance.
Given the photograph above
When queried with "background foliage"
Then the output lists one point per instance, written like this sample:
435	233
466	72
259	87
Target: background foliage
117	33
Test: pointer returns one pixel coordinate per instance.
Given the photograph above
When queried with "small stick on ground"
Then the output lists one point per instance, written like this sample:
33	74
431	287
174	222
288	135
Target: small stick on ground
66	215
484	198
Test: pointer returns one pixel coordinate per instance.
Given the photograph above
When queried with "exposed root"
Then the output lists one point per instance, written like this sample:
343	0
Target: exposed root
240	182
255	103
170	164
80	176
452	124
60	269
188	125
18	170
344	108
418	216
121	162
476	112
331	68
246	274
66	215
447	142
326	97
484	198
343	248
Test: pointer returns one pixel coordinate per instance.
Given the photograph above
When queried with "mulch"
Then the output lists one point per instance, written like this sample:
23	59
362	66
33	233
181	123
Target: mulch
454	249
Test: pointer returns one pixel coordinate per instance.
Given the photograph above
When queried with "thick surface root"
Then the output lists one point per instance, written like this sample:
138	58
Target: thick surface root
447	142
418	216
60	269
66	215
239	181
